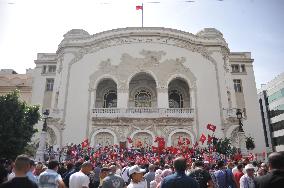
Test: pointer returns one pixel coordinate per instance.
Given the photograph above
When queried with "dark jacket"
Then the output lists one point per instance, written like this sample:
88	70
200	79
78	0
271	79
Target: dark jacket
179	180
274	179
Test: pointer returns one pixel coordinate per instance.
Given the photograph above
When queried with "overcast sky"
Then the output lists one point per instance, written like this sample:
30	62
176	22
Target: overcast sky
28	27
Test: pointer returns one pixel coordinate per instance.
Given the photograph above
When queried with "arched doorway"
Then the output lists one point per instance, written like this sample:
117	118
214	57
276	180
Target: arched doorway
142	139
104	139
238	139
106	94
180	137
142	91
178	93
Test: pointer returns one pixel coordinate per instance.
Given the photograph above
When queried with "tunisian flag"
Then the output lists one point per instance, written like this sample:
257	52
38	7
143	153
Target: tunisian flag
85	143
139	7
211	127
202	138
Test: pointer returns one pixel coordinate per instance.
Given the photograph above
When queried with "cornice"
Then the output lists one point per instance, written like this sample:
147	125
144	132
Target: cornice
132	32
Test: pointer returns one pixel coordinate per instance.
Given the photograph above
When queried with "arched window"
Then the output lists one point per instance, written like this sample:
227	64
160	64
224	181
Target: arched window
143	98
110	99
175	99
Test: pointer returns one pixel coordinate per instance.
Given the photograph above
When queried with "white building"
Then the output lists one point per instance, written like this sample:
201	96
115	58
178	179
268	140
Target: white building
146	82
271	100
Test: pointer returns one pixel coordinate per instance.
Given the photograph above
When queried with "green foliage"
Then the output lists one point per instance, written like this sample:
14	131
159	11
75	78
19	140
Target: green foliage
17	120
225	147
250	143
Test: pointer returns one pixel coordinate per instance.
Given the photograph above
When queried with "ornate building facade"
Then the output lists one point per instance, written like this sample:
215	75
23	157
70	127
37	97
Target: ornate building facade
146	82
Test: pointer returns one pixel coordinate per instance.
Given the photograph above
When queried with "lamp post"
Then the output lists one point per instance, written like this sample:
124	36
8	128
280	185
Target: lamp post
240	117
41	147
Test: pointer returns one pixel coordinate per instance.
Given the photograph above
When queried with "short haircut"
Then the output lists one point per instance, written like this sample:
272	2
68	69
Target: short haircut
240	166
53	164
180	164
22	162
86	164
199	163
276	160
220	164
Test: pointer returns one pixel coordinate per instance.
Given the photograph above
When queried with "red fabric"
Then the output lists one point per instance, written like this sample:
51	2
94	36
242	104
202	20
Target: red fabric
202	138
187	141
129	140
139	7
238	176
180	142
210	139
85	143
211	127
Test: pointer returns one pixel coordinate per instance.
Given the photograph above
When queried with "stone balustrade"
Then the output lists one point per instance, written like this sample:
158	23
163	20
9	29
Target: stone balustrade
143	112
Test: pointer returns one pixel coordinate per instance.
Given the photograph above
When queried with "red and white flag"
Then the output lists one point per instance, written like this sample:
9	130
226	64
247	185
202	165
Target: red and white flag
202	138
211	127
139	7
85	143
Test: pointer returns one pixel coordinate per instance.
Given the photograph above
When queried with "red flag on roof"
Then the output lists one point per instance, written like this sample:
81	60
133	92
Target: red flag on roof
139	7
202	138
211	127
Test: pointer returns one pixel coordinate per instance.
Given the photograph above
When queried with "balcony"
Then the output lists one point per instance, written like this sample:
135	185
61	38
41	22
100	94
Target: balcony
142	113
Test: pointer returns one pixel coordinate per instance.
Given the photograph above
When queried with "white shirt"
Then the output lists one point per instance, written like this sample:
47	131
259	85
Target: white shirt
79	180
141	184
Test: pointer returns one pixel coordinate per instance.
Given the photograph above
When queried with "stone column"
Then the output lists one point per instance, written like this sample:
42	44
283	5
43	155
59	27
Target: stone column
93	99
163	97
122	98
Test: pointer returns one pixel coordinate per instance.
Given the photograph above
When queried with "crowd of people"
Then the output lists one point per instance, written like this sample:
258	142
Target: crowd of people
115	167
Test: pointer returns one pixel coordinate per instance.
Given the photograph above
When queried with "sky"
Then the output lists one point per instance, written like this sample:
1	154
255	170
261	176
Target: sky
28	27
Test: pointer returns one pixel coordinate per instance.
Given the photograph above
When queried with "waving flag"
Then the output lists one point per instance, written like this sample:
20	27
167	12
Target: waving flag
139	7
85	143
202	138
211	127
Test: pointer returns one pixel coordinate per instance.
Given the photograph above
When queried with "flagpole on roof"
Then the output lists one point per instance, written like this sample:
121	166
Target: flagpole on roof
142	13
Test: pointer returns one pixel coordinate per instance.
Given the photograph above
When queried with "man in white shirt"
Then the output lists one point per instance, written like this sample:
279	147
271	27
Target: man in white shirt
80	179
247	180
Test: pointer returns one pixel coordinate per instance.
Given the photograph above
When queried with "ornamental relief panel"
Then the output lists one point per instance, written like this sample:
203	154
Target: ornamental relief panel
150	63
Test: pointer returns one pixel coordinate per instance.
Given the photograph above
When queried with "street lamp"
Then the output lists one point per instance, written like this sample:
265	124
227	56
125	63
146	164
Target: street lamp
45	117
240	117
41	147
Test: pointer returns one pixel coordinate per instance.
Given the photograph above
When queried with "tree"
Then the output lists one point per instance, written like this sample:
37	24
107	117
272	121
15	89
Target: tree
225	147
17	120
250	143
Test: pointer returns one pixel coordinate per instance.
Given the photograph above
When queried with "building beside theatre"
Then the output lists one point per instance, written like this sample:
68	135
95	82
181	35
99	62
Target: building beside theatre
146	82
271	101
11	80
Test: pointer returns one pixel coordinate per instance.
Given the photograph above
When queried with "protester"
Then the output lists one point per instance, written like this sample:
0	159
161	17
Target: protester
247	180
225	177
136	176
164	174
274	179
80	179
50	178
75	169
150	176
179	179
238	174
22	166
30	174
157	180
201	176
113	180
104	173
263	170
